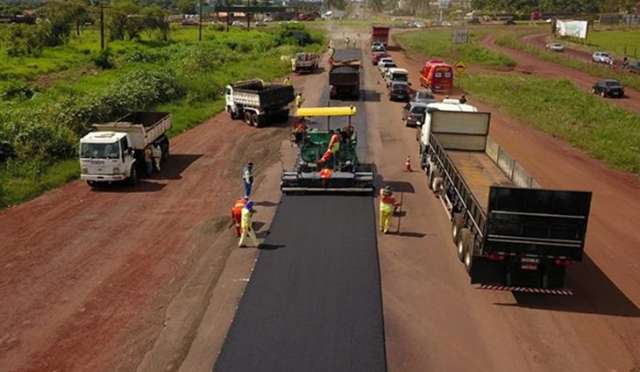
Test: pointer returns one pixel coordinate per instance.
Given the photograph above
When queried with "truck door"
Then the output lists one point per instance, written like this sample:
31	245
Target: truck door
228	98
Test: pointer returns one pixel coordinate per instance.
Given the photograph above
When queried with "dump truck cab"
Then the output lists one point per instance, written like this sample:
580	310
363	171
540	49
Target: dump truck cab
106	156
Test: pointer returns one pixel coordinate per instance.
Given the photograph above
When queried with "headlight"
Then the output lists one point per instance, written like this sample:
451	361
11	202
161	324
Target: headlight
116	170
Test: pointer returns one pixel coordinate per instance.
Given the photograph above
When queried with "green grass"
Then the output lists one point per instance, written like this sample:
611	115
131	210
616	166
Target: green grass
234	55
437	44
616	42
20	181
513	41
559	108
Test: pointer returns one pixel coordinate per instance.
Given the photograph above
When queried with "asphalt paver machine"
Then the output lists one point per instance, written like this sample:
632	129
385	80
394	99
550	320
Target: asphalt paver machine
323	166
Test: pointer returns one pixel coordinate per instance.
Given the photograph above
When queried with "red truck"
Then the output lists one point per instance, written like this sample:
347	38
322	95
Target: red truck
437	75
380	34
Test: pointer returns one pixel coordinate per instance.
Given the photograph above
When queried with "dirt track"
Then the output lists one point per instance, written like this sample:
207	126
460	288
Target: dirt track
530	64
88	275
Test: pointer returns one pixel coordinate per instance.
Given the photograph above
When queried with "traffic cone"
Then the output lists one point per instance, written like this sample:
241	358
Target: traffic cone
407	165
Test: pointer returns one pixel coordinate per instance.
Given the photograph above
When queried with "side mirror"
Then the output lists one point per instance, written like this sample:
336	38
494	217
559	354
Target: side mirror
418	123
131	151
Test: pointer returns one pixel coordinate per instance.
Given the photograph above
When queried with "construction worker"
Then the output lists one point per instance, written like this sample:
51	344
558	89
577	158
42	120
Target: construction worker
334	142
299	100
236	213
156	154
388	205
247	179
299	131
148	160
246	227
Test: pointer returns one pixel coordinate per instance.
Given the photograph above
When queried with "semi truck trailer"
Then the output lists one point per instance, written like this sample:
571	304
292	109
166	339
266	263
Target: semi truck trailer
507	231
114	151
380	34
257	102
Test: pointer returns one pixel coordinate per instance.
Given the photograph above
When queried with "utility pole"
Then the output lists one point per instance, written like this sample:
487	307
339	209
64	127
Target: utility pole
101	26
200	23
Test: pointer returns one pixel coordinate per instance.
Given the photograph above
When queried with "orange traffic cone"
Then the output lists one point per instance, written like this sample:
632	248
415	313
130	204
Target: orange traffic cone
407	165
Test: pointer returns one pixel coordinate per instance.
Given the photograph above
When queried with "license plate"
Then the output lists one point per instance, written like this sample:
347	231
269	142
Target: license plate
529	263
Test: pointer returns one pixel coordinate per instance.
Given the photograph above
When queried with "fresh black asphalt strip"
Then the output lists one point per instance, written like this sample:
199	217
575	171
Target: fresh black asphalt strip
313	302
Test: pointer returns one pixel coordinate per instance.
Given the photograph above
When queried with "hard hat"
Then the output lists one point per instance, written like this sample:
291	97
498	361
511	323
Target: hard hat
386	190
249	205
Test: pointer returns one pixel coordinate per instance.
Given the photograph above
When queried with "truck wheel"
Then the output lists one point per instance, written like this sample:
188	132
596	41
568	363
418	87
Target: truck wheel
436	184
603	94
255	120
133	178
91	184
456	226
247	117
466	240
165	150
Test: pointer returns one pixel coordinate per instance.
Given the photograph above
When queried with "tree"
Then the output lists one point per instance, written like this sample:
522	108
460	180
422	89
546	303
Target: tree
186	6
79	10
156	18
119	19
376	5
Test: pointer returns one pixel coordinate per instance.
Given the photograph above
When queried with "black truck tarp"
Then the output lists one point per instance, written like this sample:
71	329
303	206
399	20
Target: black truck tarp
313	302
347	54
271	95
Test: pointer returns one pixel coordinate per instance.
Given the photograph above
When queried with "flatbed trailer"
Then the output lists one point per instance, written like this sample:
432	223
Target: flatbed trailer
507	230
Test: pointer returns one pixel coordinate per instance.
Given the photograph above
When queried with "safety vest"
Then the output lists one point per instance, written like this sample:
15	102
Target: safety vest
334	143
387	204
238	207
245	222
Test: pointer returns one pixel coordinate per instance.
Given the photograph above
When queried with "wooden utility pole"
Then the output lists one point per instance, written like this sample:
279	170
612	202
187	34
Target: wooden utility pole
200	23
101	26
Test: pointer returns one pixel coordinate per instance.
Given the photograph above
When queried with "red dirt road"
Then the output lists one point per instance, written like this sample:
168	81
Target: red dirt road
436	321
530	64
86	276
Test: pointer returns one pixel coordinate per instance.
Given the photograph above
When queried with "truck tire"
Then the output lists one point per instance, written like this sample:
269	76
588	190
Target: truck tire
164	145
436	184
255	120
466	240
457	221
247	117
133	178
91	184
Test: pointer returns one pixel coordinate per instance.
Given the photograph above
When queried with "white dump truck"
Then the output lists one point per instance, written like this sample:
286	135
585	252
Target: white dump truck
305	62
114	151
257	102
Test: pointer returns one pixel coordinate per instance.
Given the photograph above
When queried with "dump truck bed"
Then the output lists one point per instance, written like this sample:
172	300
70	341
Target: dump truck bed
480	172
143	128
256	93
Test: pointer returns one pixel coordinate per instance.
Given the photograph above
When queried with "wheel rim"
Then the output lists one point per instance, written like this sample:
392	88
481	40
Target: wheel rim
460	249
467	260
455	231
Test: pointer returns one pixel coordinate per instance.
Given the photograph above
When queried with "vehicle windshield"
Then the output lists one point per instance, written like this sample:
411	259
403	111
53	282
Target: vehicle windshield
418	110
424	95
100	151
399	86
399	77
612	83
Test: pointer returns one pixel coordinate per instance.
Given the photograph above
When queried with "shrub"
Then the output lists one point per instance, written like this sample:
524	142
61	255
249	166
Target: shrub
103	59
16	89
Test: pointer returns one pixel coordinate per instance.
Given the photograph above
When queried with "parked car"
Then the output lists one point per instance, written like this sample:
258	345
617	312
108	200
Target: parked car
376	45
384	60
413	113
608	88
384	66
556	47
396	74
399	91
633	66
602	57
424	96
377	56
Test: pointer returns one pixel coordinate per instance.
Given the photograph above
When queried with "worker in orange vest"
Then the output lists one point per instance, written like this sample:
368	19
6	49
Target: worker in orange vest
388	205
236	213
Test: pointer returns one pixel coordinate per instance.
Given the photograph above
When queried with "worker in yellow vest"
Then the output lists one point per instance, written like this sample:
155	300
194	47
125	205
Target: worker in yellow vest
388	205
248	238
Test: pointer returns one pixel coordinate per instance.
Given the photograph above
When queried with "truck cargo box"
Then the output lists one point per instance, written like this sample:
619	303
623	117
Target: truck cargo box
256	93
346	55
143	127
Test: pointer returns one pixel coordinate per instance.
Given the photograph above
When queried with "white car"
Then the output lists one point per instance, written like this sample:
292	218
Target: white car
556	47
384	66
602	57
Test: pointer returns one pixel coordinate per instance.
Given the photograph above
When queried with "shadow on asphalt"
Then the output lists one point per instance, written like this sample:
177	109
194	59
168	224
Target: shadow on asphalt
370	95
266	204
142	186
407	234
594	293
271	247
399	186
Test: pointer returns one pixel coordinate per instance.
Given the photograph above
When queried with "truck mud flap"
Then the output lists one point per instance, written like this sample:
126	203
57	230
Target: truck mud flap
486	271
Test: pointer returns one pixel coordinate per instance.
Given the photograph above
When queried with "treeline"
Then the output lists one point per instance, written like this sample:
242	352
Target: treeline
525	7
